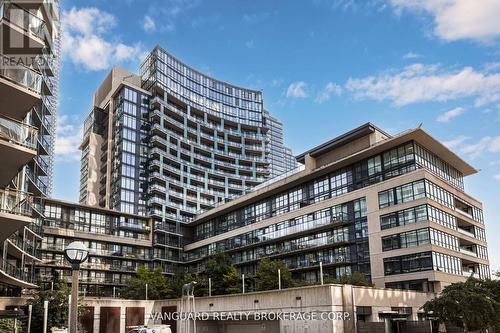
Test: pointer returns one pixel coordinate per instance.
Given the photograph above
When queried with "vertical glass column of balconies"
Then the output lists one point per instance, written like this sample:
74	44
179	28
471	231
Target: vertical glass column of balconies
28	93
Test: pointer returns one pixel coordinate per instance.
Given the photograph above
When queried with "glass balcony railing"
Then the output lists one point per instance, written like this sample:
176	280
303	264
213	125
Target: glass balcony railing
19	133
134	226
37	180
15	202
22	18
36	228
14	271
23	244
22	75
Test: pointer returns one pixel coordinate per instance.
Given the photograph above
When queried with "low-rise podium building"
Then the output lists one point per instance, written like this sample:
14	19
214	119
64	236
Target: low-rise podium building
391	207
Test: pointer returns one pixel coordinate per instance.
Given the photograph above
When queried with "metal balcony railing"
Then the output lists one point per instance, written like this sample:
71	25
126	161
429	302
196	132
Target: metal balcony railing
15	202
19	133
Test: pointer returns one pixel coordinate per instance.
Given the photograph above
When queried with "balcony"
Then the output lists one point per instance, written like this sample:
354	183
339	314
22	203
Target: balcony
465	232
15	211
20	23
36	183
19	247
12	275
137	227
468	252
19	90
17	147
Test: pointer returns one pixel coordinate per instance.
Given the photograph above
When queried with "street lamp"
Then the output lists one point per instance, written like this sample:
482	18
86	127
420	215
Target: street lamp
75	253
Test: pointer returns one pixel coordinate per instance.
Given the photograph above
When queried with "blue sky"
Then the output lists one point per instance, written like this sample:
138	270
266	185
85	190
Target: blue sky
324	67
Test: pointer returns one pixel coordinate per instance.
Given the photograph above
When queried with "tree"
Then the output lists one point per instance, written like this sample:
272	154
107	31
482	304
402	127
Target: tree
494	287
232	282
221	271
472	304
58	307
6	325
266	275
158	285
356	279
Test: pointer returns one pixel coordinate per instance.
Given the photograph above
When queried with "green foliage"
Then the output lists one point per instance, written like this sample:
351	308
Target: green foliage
225	278
158	285
475	304
232	282
266	275
356	279
58	307
6	325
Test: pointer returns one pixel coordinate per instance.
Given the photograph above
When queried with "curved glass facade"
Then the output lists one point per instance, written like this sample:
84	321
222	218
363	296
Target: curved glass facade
201	91
209	141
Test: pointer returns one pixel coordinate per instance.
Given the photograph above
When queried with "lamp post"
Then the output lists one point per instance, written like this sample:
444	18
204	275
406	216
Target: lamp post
75	253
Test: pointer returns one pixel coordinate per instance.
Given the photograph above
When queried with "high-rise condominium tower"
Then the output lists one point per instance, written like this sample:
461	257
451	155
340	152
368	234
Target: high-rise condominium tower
29	67
173	142
281	157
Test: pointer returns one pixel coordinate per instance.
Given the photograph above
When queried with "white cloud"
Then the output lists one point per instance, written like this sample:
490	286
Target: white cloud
124	52
87	21
448	115
453	143
148	24
327	92
458	19
68	138
419	83
85	42
497	176
486	144
297	89
411	55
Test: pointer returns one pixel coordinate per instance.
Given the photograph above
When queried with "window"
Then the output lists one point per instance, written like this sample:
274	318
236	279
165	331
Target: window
436	165
129	121
374	165
128	146
130	95
409	263
398	156
414	191
403	217
406	239
280	204
321	190
130	108
446	263
261	211
128	158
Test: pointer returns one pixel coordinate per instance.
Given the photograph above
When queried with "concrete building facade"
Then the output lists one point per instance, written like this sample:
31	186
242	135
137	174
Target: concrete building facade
338	308
392	208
